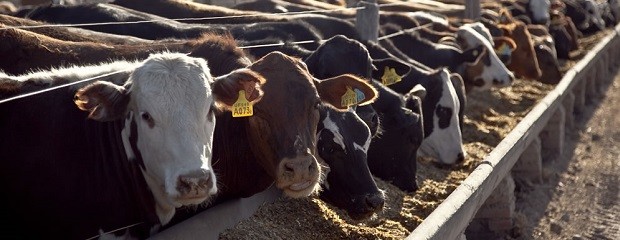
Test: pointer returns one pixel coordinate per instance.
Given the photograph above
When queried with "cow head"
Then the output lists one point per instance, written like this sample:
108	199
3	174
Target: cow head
344	137
549	63
539	10
487	71
168	104
392	154
442	130
523	59
343	142
284	124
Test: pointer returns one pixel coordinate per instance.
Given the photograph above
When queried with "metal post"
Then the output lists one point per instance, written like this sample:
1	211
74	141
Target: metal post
367	20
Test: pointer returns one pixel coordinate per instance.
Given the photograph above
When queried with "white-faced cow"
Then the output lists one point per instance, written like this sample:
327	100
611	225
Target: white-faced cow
140	148
492	72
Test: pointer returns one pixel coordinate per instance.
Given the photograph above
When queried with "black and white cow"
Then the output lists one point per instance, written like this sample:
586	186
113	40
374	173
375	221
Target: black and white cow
140	148
391	155
442	105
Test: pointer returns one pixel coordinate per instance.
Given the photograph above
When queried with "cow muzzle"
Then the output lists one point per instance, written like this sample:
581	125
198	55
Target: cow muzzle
195	187
298	177
365	206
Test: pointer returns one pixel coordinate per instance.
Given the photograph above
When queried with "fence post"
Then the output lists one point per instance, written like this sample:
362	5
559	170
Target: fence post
529	165
580	96
472	9
367	20
569	107
552	136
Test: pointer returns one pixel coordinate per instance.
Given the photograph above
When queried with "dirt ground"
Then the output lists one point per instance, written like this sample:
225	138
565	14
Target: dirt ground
580	194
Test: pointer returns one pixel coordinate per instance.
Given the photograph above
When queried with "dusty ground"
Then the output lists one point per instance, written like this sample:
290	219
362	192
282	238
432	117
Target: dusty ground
489	118
580	195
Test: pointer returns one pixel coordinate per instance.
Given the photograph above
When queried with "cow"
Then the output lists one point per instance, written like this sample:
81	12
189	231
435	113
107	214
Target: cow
133	150
327	26
430	54
159	28
539	11
452	98
585	14
523	57
551	73
565	36
389	157
546	54
491	73
343	138
70	33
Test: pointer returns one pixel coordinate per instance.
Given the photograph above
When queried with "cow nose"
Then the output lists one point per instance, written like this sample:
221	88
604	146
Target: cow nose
198	182
460	157
375	201
299	166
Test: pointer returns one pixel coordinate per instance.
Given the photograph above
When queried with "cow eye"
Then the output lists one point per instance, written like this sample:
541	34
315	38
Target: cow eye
148	119
146	116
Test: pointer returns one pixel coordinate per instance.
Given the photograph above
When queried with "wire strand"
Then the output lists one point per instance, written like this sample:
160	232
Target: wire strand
58	87
132	225
176	19
401	32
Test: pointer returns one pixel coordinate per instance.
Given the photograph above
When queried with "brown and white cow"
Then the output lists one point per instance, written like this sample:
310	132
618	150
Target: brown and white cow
492	72
141	147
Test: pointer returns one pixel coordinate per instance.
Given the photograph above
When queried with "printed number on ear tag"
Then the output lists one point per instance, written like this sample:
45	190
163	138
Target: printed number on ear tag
390	76
242	108
349	98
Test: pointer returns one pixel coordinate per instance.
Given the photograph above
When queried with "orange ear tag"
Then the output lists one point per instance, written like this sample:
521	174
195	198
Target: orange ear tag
349	98
242	108
390	76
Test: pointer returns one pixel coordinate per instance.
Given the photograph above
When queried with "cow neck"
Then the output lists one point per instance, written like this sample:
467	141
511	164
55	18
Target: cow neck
130	173
239	174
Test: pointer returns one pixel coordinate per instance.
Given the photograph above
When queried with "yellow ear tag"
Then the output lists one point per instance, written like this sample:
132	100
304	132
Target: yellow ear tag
504	49
242	108
390	76
349	98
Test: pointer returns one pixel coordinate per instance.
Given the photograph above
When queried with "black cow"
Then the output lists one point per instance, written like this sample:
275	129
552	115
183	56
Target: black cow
70	177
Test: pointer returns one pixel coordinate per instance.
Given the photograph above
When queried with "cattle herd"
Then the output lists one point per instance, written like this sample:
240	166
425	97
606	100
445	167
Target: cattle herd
117	116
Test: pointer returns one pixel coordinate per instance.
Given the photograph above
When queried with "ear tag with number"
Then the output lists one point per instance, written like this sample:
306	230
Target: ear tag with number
349	98
242	108
390	76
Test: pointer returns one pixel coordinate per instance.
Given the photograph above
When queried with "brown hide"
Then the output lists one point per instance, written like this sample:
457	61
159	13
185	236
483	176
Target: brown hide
24	51
189	9
70	33
523	58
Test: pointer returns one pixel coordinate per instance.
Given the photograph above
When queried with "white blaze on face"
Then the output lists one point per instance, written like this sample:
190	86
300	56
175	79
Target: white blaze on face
363	148
170	111
445	144
331	126
496	74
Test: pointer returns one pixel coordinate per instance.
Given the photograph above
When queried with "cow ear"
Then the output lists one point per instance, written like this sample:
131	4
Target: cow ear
474	55
331	90
401	69
418	90
499	41
226	87
104	101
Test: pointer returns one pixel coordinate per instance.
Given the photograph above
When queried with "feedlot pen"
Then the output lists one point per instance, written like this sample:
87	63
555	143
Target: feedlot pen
527	121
